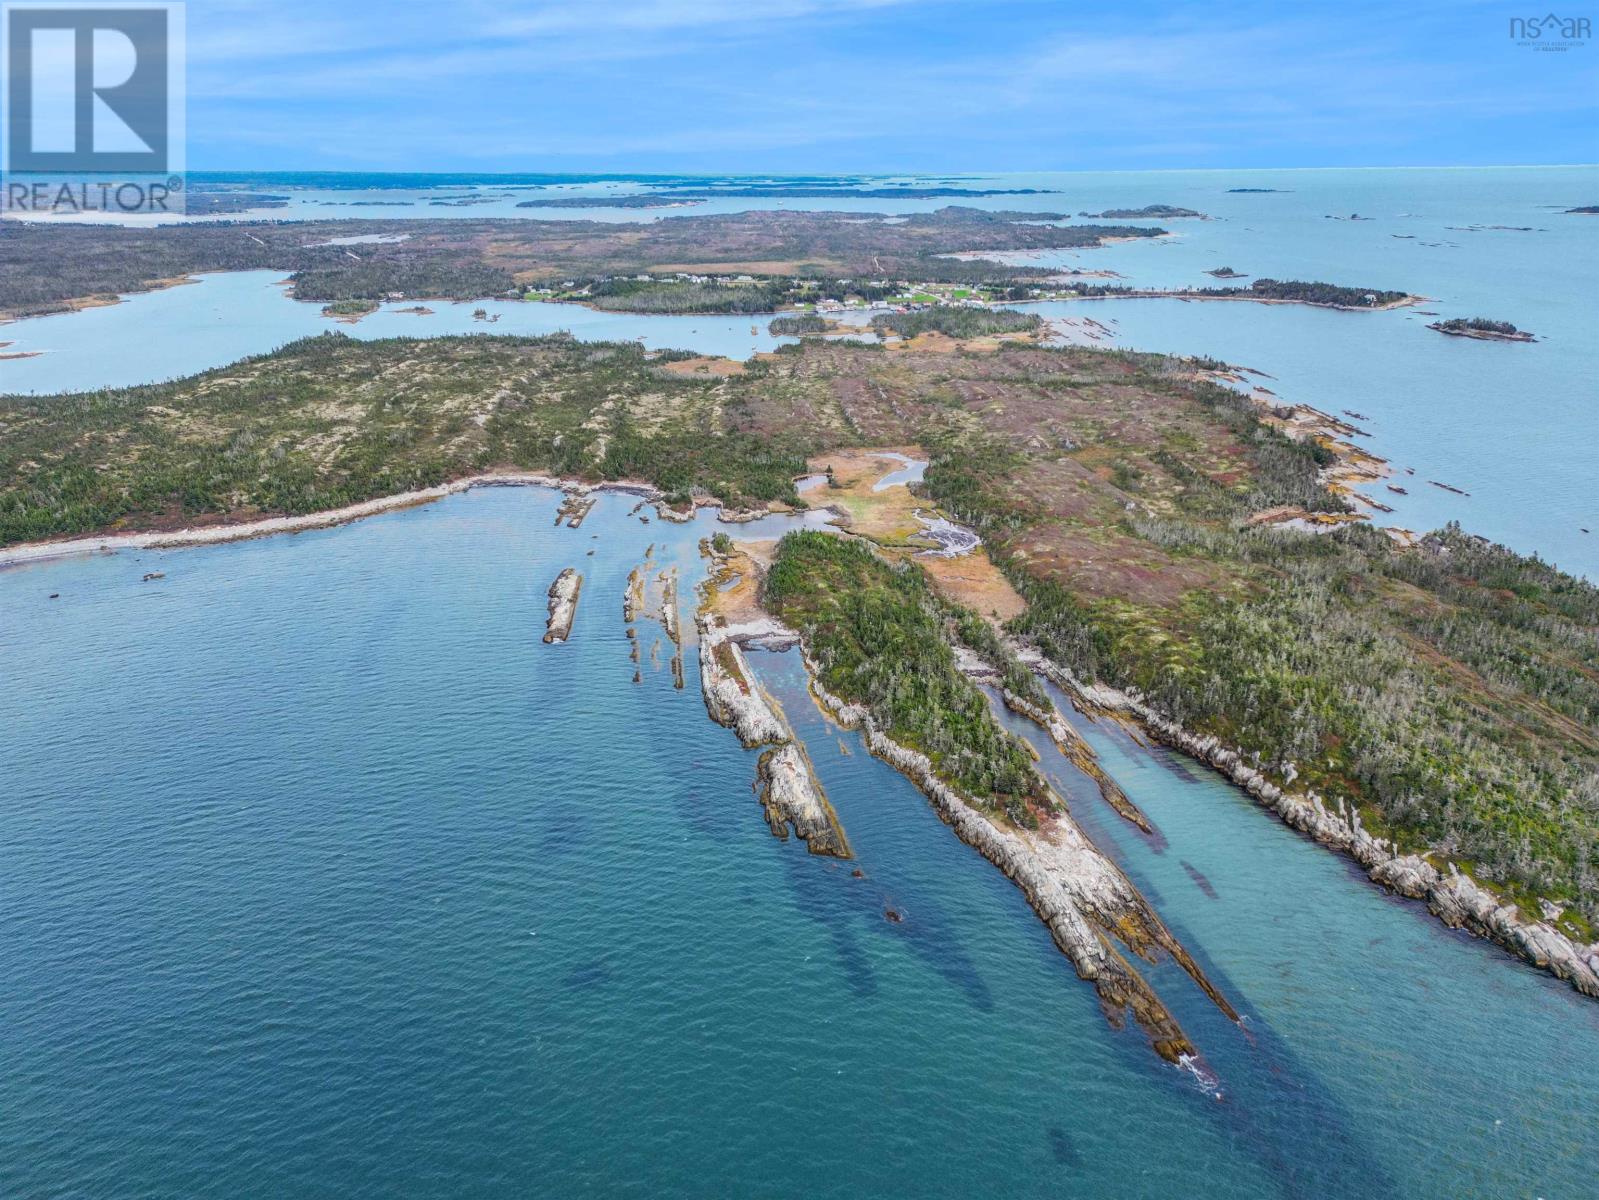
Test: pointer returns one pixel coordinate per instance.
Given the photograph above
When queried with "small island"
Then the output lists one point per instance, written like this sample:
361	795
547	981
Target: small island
350	311
797	326
1256	191
1584	210
1482	329
1227	273
1148	212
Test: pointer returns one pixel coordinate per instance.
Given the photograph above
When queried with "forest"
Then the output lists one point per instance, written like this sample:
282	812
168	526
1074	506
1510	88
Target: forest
878	633
957	321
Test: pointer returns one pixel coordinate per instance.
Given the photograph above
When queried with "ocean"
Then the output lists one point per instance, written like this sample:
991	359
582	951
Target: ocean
324	875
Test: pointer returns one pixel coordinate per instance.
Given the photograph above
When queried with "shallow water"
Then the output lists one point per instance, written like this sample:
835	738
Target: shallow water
1514	425
324	875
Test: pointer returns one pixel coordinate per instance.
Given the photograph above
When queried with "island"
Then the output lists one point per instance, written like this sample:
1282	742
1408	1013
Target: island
1226	273
799	326
1148	212
1483	329
639	201
350	311
1585	210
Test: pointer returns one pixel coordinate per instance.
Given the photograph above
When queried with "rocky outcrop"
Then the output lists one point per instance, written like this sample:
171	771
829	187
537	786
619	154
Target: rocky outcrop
633	597
1454	898
792	796
1082	897
575	506
789	790
731	695
1070	743
563	605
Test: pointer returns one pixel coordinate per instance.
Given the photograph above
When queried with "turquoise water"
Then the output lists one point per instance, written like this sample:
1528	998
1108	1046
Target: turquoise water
1514	425
325	876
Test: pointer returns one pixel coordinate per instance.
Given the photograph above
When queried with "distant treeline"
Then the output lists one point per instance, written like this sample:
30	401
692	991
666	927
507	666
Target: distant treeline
957	321
1296	290
44	267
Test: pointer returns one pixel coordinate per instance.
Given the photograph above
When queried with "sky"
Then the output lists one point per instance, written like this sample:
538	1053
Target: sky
877	85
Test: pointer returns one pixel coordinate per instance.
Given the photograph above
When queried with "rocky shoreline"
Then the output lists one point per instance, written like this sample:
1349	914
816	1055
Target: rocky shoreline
563	595
1081	896
210	535
1483	335
1454	898
225	531
792	796
790	793
1082	756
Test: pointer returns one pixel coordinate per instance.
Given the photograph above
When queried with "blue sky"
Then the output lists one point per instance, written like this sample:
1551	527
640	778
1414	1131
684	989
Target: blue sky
876	85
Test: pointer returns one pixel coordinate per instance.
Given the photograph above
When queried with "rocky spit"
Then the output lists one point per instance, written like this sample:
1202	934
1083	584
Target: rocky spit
1082	897
1454	898
633	598
792	796
789	790
1070	743
563	605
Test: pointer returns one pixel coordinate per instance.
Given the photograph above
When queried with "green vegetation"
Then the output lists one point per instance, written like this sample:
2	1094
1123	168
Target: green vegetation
1475	325
877	633
1149	211
1451	692
1302	292
957	321
328	421
1292	290
797	326
350	308
44	266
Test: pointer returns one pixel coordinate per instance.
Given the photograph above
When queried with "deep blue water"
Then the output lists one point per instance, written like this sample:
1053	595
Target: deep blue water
323	875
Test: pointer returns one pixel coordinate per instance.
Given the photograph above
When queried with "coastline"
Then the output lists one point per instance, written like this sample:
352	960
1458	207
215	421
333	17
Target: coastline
1082	897
1158	294
1454	898
79	303
211	535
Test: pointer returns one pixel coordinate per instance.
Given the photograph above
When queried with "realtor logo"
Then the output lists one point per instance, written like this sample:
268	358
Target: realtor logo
93	100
